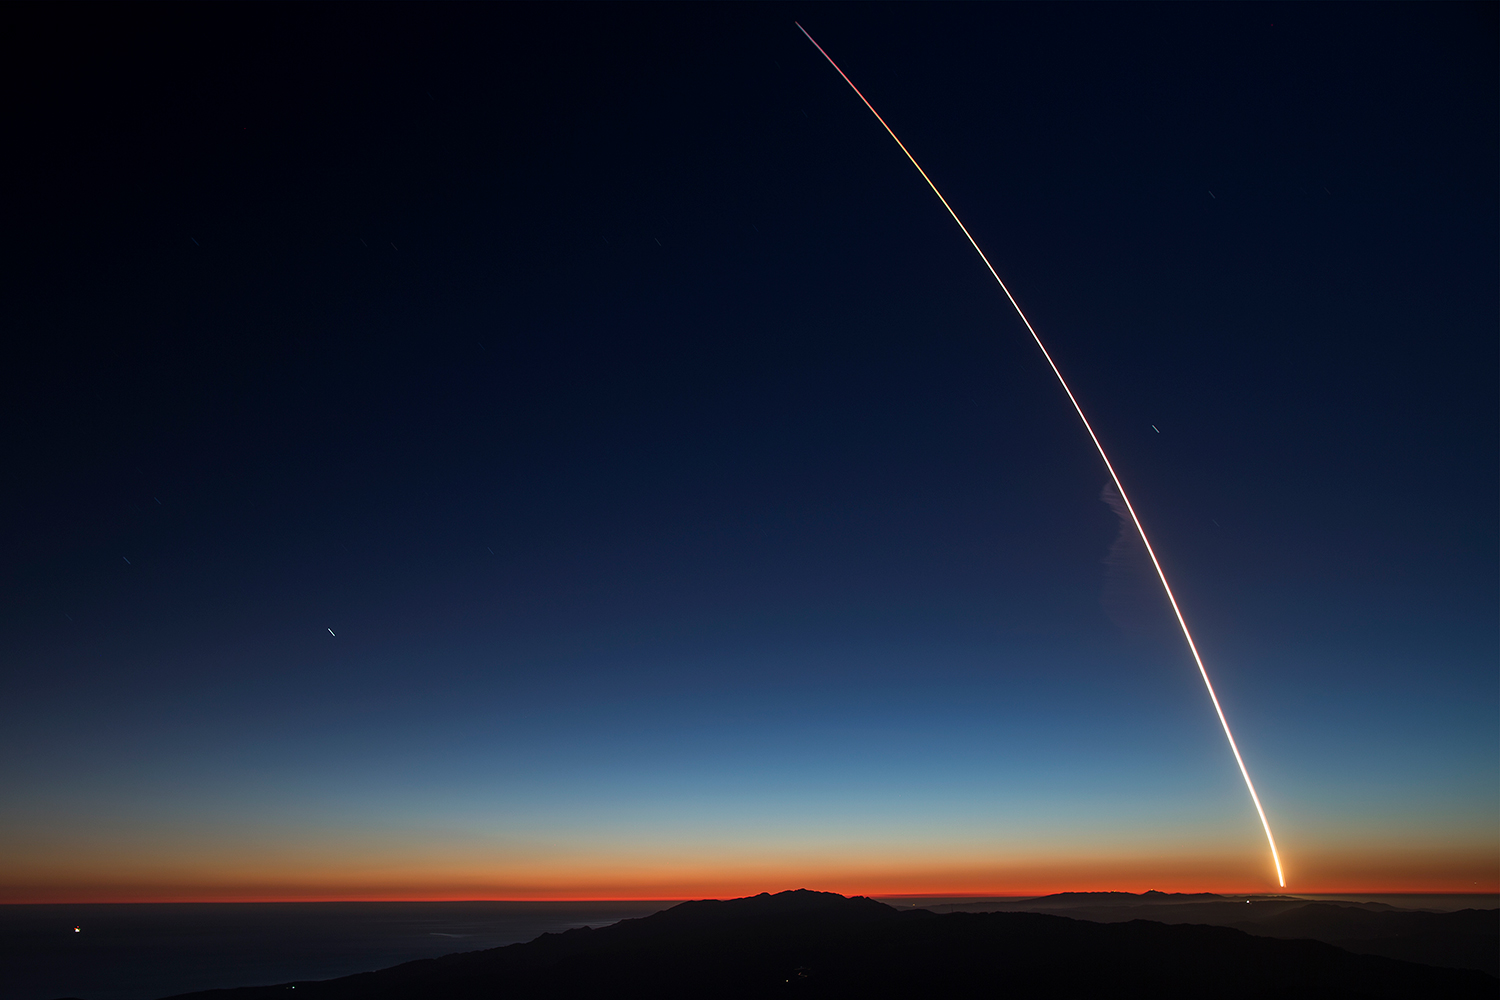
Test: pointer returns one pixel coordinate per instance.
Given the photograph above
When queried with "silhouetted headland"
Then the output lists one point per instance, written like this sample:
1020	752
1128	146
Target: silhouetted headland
819	944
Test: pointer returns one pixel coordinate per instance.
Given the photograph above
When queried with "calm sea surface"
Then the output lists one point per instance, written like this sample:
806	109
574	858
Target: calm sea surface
141	951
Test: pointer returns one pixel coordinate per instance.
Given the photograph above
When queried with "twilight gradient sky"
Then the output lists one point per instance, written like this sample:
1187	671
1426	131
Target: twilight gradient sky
500	452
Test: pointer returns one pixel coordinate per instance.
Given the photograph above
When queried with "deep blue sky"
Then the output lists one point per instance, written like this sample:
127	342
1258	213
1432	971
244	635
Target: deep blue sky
690	510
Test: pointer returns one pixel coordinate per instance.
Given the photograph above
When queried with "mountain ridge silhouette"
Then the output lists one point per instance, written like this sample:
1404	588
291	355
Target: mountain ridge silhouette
803	943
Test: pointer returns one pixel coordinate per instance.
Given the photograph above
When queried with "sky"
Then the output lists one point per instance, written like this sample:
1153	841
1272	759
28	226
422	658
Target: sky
461	452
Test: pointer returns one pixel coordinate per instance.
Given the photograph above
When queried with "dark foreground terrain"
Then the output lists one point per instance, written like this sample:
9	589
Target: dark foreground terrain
1462	939
813	944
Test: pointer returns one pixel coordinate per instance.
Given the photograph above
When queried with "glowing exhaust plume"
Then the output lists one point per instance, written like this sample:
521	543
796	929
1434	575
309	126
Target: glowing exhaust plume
1160	575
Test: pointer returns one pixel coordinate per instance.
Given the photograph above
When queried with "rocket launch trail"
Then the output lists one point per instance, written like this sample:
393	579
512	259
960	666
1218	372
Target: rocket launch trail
1160	574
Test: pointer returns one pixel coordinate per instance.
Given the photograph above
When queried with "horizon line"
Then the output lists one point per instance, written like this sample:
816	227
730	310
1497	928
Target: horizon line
1008	894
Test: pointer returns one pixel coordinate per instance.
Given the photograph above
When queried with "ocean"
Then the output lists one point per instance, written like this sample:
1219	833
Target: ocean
142	951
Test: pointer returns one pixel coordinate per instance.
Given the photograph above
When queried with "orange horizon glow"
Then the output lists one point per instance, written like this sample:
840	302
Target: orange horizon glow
364	868
357	872
87	897
997	894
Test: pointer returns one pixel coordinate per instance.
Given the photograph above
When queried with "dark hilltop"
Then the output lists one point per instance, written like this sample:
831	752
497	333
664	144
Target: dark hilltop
820	944
1463	939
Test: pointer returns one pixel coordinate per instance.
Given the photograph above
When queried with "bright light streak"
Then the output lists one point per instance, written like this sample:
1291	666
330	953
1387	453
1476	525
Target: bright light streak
1160	575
